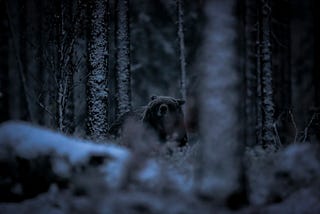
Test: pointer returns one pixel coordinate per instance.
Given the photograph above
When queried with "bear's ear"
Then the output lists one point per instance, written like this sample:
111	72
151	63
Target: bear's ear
153	97
181	102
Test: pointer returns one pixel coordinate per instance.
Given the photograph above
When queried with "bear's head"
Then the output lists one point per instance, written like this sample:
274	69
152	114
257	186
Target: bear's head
165	116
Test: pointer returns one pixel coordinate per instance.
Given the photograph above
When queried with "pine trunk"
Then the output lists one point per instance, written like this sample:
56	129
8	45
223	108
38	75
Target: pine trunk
182	58
123	57
219	101
69	64
16	74
81	66
65	44
250	71
302	58
97	91
4	64
266	76
46	98
259	118
31	57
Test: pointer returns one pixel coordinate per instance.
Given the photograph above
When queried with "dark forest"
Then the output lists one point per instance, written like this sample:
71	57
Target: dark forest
162	106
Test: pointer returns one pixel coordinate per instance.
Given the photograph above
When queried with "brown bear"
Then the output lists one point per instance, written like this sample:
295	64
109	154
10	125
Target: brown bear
163	115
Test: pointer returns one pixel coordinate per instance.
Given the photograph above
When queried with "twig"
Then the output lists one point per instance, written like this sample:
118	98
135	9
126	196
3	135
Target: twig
295	126
44	107
277	140
278	40
307	128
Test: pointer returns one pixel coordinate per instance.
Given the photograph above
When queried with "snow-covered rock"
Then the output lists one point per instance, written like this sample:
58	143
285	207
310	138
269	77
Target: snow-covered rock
274	177
33	158
298	167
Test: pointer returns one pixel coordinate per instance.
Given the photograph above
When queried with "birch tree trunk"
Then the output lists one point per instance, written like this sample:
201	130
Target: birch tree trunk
266	76
182	58
123	57
219	97
97	91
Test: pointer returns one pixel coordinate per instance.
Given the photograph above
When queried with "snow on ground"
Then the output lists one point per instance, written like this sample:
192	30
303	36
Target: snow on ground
29	142
36	156
106	178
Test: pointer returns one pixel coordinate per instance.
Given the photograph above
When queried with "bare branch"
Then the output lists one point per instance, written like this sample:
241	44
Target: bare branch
306	130
294	125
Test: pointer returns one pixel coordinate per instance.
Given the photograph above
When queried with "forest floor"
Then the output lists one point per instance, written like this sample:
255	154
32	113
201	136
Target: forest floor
46	172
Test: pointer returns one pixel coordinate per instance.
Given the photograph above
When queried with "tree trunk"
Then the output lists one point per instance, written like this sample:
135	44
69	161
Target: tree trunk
17	86
251	71
4	64
79	89
281	65
61	73
123	57
97	91
182	58
31	56
302	59
47	88
71	20
316	70
219	101
81	66
259	118
67	24
266	76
